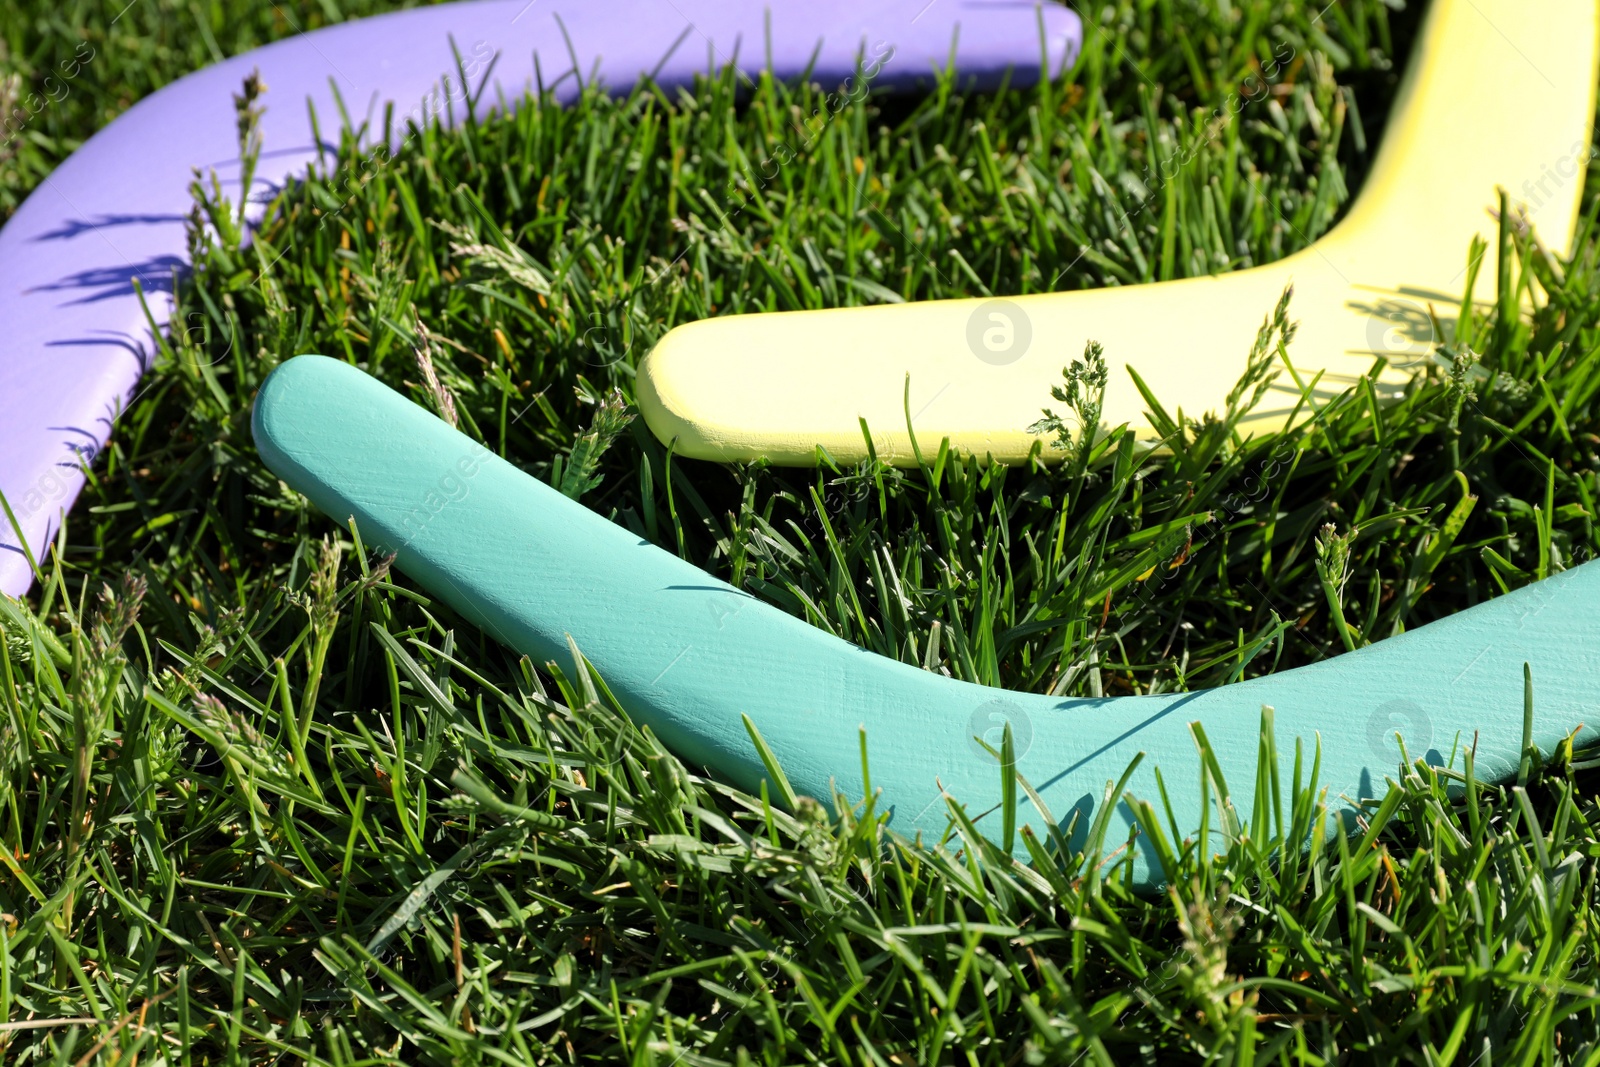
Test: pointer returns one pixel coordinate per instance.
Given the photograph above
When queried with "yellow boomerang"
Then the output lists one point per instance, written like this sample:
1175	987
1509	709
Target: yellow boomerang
1500	94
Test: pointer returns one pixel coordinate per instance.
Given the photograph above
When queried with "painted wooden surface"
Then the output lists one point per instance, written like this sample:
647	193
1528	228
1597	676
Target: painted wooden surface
1500	93
688	655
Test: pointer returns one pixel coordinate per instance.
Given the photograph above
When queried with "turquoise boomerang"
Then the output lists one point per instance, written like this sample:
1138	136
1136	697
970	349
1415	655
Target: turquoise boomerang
687	655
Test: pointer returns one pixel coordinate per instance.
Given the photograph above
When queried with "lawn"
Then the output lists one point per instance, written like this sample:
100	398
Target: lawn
264	801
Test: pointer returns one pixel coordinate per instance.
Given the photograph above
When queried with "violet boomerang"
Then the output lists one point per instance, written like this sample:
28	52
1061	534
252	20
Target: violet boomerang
76	338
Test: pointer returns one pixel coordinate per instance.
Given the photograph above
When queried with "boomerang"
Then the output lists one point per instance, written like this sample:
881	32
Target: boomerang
688	655
1499	94
77	339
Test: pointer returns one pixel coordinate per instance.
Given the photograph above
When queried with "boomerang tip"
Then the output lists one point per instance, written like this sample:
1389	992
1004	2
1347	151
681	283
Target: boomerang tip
777	386
677	391
278	416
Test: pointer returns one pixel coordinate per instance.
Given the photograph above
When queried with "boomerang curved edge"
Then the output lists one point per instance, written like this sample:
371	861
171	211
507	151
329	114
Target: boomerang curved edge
1499	94
77	339
688	655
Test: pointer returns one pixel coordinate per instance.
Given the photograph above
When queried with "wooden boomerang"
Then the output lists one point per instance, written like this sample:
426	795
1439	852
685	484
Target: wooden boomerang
77	336
1500	93
688	655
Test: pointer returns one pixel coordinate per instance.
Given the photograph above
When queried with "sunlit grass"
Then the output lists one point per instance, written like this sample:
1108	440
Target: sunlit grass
262	800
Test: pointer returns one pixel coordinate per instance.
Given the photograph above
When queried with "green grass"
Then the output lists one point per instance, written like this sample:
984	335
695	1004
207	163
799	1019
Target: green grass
263	801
